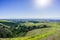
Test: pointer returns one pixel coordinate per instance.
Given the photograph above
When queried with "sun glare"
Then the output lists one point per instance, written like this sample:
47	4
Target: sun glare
42	3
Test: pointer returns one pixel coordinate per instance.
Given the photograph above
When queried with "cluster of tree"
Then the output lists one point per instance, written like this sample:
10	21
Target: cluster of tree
19	30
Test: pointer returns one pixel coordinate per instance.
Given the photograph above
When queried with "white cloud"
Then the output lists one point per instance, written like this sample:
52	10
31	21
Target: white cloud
42	3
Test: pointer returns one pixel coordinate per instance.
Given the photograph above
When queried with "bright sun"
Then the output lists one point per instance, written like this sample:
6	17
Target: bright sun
42	3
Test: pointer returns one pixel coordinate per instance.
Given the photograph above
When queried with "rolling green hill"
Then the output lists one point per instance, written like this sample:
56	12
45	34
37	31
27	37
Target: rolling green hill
29	31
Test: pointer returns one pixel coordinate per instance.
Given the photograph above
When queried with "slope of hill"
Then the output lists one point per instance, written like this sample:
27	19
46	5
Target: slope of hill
30	31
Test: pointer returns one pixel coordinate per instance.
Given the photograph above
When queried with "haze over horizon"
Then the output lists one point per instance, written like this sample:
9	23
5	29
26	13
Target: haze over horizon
47	9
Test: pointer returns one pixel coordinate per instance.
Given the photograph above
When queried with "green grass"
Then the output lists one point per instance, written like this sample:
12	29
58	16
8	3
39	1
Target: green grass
39	34
37	37
5	21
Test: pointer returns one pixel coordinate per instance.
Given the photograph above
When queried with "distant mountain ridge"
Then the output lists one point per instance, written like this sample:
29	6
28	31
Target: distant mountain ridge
48	20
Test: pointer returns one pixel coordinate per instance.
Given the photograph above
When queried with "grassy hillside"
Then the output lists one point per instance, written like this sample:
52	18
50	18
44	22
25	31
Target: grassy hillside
30	31
5	21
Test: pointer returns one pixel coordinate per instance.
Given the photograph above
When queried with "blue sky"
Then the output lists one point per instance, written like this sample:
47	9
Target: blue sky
29	9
